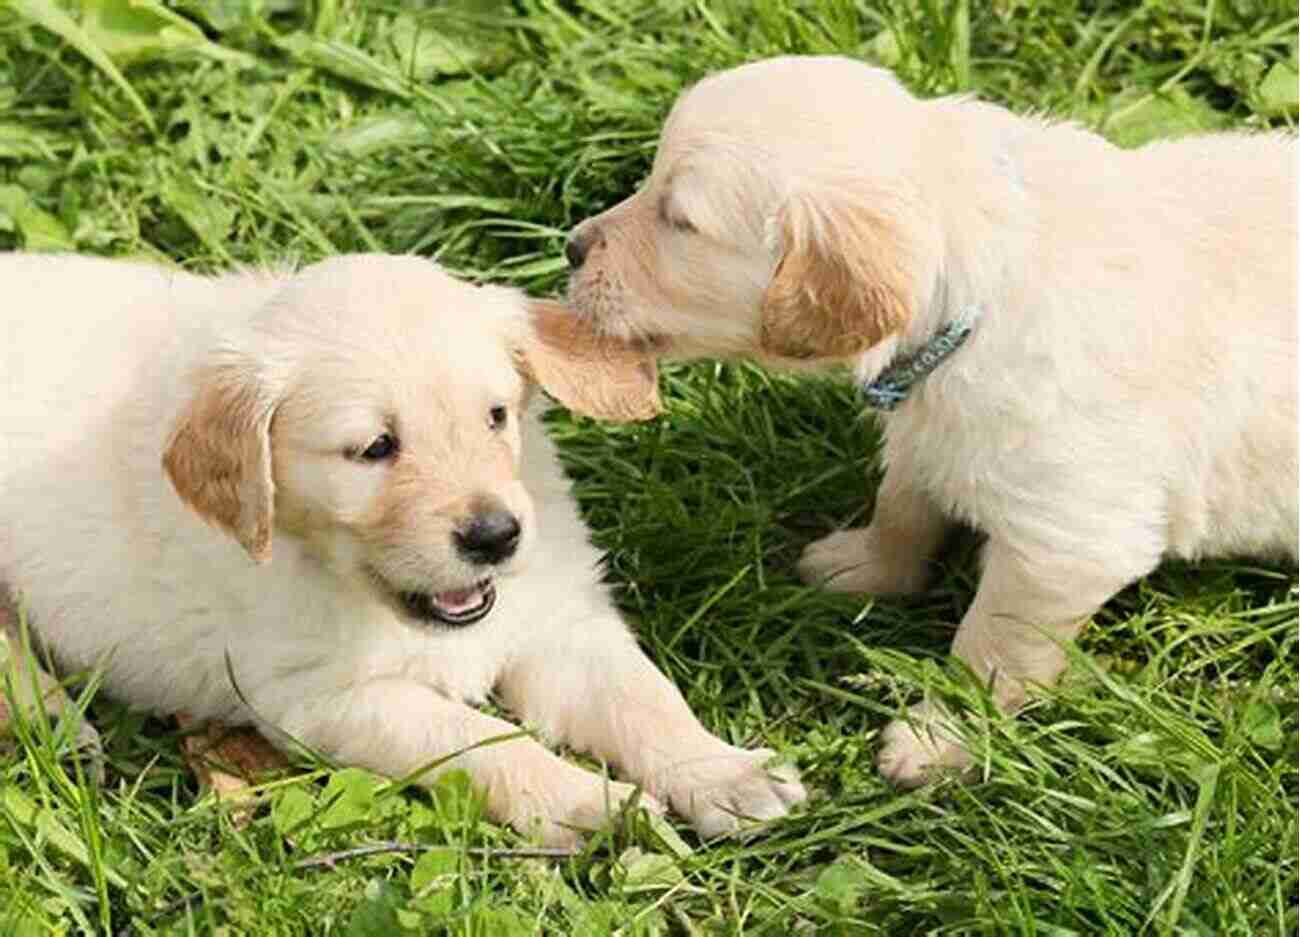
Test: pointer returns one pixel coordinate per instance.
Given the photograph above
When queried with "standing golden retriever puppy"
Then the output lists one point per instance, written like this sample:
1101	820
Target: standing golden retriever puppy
1087	353
409	545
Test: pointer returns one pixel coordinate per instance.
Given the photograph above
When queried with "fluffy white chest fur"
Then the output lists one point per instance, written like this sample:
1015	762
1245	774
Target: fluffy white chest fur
363	430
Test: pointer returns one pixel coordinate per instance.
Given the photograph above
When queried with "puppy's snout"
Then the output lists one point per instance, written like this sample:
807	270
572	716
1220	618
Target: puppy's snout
491	536
580	242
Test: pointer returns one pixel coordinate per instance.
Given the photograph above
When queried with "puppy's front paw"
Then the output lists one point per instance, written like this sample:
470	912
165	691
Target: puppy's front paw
849	561
921	748
565	809
722	791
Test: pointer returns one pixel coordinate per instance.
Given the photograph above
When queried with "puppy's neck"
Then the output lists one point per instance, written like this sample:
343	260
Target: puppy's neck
985	202
888	373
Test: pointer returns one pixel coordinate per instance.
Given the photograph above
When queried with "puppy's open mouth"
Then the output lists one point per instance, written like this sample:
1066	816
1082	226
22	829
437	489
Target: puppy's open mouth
455	607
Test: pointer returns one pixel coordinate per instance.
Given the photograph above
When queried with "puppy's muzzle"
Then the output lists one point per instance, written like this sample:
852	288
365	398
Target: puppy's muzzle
490	537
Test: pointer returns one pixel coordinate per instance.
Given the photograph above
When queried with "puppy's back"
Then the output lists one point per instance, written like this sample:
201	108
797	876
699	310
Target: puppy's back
82	336
1231	197
1229	323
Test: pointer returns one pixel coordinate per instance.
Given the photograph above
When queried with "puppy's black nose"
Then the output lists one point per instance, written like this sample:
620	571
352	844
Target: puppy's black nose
579	244
575	250
490	537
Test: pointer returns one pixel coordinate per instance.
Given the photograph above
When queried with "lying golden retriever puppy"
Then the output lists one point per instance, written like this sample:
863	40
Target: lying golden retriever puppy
362	430
1087	353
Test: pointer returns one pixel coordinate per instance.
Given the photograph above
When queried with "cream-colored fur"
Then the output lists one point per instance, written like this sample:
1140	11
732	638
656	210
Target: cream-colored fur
1128	392
263	389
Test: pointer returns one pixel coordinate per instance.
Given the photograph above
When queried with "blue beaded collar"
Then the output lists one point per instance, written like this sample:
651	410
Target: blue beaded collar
892	385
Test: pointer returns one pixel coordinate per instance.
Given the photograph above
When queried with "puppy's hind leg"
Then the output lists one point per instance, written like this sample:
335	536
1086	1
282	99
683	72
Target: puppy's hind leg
888	557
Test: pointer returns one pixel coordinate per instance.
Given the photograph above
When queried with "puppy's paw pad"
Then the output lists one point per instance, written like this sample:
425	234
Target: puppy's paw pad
723	793
845	561
925	749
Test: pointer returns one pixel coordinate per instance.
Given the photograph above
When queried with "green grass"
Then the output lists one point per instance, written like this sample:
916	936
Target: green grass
1154	792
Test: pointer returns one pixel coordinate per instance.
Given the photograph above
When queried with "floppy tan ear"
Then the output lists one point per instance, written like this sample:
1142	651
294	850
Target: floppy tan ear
592	374
219	456
842	283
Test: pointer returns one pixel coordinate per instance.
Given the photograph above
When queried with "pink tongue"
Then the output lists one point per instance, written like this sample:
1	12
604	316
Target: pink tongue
459	600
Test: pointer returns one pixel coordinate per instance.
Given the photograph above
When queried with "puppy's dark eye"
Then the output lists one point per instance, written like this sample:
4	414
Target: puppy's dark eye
383	447
497	417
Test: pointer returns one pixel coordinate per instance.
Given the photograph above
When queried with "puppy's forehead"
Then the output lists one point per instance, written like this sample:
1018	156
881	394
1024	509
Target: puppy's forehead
379	301
397	327
769	101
